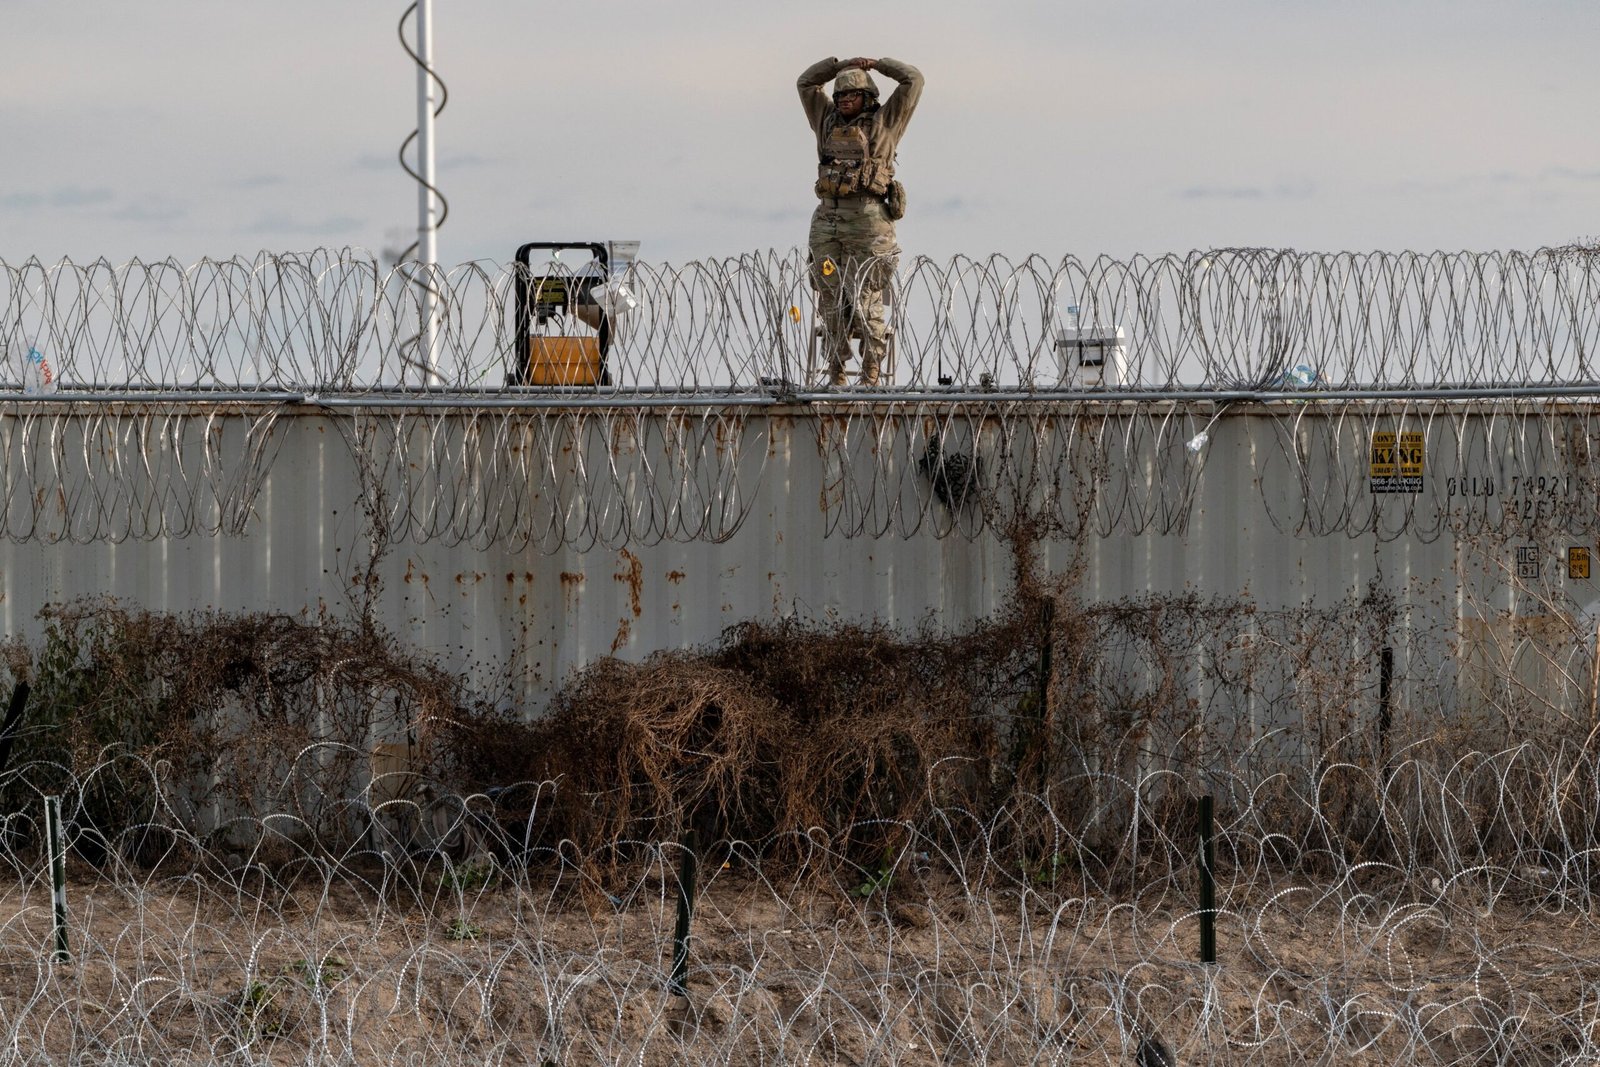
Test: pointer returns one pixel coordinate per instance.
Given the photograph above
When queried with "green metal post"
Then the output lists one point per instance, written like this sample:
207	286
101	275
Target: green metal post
678	984
58	875
1208	883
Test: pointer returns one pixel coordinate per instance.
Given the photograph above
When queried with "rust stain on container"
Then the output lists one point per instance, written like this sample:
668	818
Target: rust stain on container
774	424
623	439
634	576
571	585
624	628
674	577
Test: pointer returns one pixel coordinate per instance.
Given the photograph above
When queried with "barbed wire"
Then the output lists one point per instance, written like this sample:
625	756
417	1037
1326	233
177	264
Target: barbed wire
1405	855
332	324
1437	909
153	399
552	478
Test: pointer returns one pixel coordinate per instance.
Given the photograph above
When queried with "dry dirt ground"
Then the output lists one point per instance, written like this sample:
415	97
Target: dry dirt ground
478	965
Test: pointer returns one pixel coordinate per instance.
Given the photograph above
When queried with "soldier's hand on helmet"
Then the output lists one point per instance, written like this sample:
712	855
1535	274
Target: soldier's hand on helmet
860	61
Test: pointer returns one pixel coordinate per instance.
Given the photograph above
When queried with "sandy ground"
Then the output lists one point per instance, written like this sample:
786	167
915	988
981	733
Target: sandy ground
483	966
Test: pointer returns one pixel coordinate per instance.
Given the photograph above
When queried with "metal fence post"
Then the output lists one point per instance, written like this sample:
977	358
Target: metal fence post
1208	883
677	985
58	876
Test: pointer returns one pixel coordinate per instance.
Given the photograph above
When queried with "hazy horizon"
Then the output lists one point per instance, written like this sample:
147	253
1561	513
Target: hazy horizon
174	130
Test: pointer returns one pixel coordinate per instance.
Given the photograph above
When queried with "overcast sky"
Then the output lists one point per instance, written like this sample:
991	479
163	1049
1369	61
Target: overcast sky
213	128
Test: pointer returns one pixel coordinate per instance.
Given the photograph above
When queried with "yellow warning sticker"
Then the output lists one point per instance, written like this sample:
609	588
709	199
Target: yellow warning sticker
1383	455
1396	462
1578	562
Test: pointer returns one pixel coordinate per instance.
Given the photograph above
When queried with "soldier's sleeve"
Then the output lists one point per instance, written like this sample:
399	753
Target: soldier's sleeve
812	98
896	111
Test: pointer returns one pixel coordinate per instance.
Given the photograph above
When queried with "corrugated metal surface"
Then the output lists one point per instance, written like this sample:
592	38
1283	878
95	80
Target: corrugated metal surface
1242	528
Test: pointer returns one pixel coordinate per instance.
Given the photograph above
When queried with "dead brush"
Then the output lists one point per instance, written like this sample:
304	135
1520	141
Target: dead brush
143	719
1065	737
780	732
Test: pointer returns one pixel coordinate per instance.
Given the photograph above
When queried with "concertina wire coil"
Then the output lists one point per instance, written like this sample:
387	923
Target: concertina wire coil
172	383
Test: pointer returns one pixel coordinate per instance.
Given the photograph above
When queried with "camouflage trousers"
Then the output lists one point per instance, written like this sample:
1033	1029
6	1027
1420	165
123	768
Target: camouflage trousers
853	257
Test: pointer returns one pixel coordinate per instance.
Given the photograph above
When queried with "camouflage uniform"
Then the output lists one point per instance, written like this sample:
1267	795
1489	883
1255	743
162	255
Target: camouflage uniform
853	249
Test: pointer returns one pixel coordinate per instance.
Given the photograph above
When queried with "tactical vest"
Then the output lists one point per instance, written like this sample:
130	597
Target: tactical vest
845	166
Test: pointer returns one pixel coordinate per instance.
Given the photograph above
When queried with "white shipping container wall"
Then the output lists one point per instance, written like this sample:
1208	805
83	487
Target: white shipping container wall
624	536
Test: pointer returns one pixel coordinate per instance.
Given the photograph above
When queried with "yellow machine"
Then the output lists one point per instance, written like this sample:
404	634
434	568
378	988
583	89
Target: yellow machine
561	333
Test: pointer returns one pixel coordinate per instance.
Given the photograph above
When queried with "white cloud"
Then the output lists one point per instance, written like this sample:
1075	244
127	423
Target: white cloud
283	224
66	197
150	213
1051	127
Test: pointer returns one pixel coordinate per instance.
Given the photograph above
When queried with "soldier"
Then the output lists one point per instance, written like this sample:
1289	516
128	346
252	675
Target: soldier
853	249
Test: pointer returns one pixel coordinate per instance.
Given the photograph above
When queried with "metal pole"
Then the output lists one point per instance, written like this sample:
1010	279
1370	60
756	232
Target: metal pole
1208	884
8	732
1385	712
678	984
58	875
427	201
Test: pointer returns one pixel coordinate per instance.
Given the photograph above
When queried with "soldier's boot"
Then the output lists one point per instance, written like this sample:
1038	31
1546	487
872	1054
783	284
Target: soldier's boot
872	353
838	356
874	335
838	338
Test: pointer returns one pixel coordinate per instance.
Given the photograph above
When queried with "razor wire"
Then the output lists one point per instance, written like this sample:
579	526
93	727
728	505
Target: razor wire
154	400
334	324
1418	890
274	952
582	477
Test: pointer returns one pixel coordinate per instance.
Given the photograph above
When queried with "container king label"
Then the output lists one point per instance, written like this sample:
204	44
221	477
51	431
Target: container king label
1397	461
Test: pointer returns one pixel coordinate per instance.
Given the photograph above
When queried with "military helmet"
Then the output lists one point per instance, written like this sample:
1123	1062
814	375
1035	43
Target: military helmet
854	80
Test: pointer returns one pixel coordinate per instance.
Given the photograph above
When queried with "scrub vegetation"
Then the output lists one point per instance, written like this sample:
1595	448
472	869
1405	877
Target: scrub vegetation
295	837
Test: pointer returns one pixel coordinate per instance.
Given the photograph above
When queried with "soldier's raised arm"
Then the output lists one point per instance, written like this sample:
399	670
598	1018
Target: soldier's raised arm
896	111
812	98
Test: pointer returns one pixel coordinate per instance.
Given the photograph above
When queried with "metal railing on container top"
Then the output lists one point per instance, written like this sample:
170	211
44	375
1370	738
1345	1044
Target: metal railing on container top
334	325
